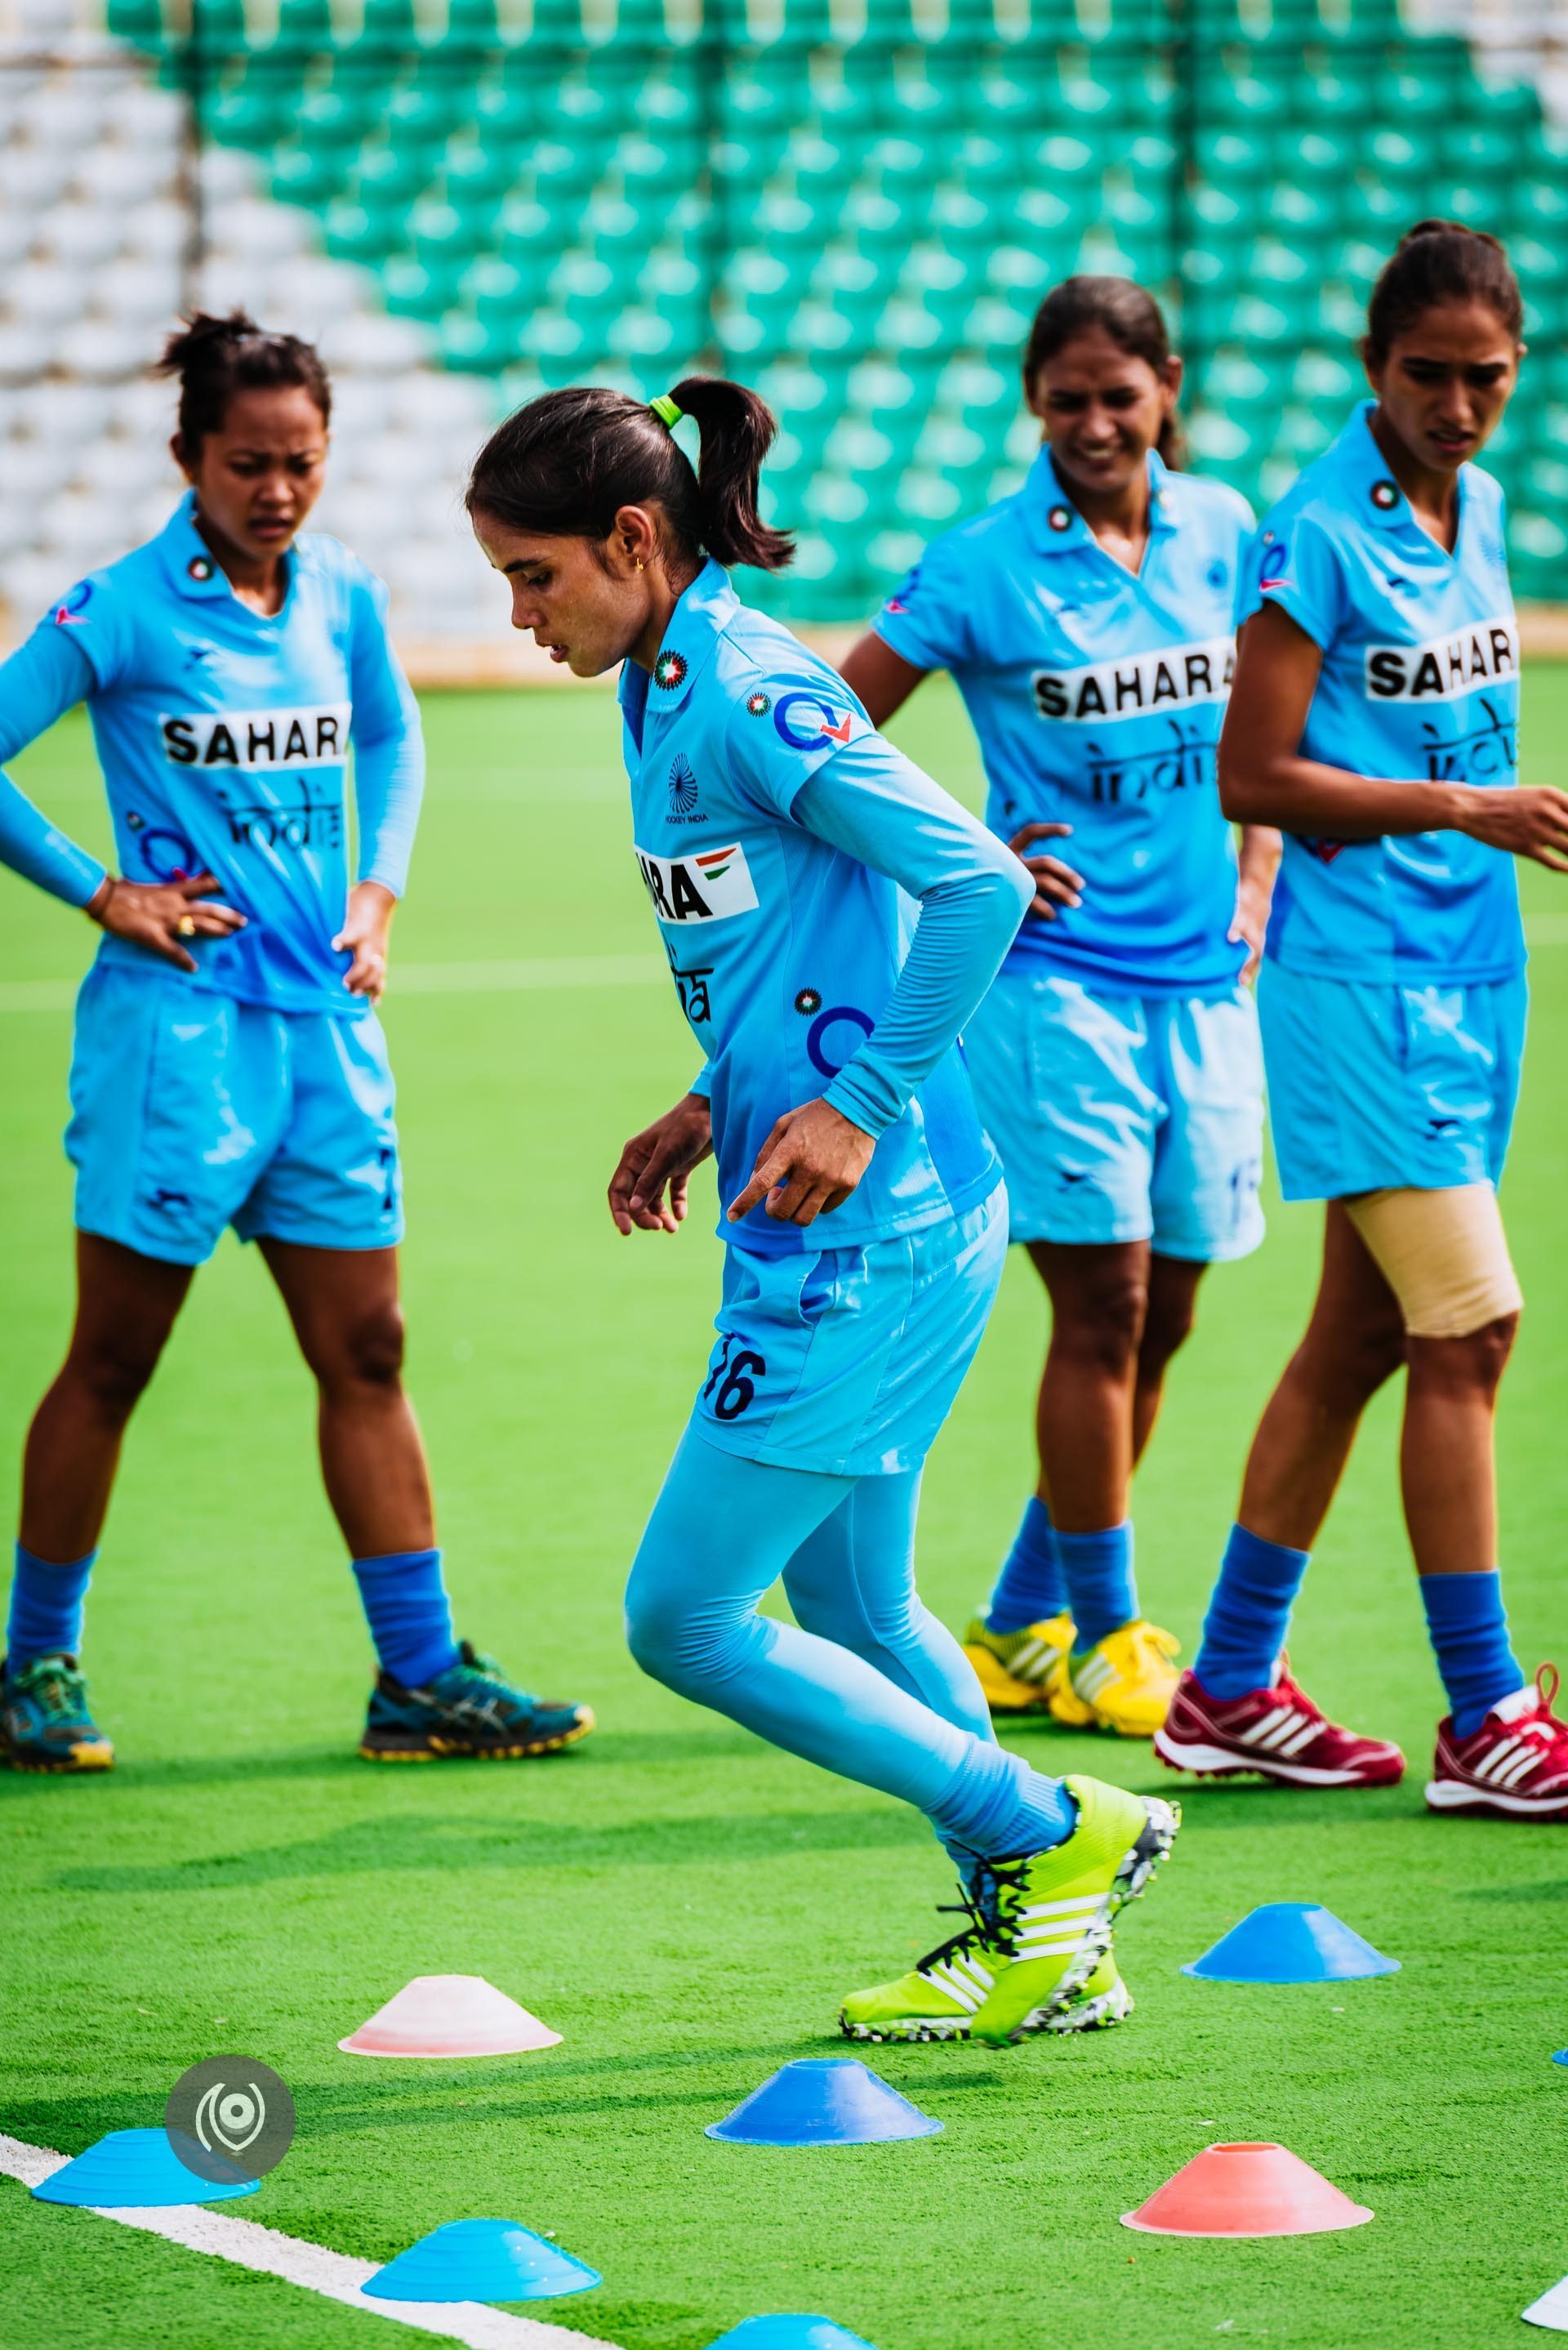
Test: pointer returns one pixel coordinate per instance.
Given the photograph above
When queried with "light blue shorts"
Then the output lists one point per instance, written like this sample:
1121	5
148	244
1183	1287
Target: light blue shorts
846	1361
1374	1087
190	1111
1122	1118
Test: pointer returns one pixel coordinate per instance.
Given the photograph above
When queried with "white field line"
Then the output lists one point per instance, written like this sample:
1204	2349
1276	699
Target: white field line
310	2266
505	978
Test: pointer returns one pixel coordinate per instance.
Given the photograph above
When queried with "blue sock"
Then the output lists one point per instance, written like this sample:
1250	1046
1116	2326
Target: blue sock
1469	1638
406	1607
46	1608
1249	1615
1002	1811
1101	1592
1030	1586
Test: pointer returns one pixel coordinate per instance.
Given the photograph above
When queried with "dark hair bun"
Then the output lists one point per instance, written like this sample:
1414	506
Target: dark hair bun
215	358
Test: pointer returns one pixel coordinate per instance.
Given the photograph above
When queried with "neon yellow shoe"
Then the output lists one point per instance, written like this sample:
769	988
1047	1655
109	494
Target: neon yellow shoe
1054	1910
939	1998
1125	1682
1015	1668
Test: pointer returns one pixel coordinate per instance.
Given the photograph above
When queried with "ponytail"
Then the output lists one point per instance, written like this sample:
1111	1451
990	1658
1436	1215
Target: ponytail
567	464
215	358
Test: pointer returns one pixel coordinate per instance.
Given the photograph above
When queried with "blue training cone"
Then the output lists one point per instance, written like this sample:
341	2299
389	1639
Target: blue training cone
788	2334
1291	1942
1560	2057
480	2260
137	2169
824	2101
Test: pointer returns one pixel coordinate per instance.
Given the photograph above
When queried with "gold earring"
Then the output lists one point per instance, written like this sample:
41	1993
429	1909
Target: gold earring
640	563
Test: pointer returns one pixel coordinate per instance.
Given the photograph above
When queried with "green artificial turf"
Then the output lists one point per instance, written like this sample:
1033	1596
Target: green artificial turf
682	1904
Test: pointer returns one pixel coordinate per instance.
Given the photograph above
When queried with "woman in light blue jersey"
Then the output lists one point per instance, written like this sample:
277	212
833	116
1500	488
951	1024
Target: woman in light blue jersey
229	1065
1088	621
1374	718
785	848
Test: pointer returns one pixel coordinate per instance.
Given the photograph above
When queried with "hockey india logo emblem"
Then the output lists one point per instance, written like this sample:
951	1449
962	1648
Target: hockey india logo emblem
682	785
669	670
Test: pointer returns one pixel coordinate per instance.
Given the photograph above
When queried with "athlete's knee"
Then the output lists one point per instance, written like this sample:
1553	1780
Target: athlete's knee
1102	1327
1473	1364
366	1351
113	1369
1349	1362
1168	1326
689	1649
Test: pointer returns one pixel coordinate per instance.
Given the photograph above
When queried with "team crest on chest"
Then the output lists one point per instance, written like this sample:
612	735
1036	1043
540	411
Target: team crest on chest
682	785
669	671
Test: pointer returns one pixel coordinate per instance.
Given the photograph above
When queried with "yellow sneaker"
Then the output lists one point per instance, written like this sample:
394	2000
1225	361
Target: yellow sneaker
1015	1668
1125	1682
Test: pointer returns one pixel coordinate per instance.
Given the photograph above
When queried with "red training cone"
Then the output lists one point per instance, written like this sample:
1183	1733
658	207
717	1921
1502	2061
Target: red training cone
450	2016
1246	2190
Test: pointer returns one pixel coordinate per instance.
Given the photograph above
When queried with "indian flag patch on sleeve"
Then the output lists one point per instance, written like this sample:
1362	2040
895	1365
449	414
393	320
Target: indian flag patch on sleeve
706	889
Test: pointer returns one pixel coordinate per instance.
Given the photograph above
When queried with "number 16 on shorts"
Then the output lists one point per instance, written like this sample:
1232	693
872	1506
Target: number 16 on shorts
734	1373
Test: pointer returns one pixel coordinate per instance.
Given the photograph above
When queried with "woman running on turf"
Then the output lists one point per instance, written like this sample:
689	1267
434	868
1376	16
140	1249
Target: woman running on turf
776	832
1374	717
229	1064
1088	622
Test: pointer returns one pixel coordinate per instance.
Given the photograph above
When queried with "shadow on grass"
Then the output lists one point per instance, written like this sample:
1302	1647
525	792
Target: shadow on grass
467	2097
631	1749
424	1842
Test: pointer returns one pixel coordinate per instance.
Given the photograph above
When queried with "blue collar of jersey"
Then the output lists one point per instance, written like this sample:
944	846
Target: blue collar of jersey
192	568
1379	497
1054	522
702	613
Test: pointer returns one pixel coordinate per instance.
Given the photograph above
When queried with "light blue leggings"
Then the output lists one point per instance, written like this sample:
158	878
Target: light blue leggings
870	1686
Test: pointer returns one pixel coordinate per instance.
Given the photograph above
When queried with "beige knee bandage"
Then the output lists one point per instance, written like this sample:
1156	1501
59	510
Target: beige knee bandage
1443	1253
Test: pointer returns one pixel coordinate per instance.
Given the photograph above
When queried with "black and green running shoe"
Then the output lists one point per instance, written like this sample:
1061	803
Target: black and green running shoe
471	1709
45	1725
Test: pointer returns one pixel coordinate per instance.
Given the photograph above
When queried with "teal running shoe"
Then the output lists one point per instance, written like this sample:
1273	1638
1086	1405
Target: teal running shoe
45	1725
471	1710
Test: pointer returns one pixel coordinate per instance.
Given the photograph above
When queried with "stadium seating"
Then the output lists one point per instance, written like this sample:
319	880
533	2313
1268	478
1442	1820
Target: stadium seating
855	203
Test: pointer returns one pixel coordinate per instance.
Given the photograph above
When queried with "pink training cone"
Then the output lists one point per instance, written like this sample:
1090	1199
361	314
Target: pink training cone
1258	2189
450	2016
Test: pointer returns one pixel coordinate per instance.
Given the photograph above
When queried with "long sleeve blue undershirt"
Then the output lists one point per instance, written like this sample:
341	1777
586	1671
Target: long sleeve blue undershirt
44	678
974	893
50	674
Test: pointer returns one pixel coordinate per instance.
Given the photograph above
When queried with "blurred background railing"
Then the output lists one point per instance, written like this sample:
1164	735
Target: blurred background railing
855	205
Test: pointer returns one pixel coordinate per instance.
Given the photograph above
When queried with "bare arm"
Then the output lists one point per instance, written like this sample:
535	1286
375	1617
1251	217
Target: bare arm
1264	780
883	678
1257	864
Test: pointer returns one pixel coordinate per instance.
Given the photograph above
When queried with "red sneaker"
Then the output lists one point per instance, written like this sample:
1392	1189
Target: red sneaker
1514	1767
1276	1731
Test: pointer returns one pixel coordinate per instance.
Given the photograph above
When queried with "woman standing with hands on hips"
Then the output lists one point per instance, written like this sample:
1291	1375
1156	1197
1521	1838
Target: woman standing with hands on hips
1088	622
229	1066
1374	717
784	847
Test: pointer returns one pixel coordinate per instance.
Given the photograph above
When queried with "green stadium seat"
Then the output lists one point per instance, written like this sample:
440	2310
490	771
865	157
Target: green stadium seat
309	176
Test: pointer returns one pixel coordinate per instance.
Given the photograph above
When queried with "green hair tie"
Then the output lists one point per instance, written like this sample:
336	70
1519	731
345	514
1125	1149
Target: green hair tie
666	409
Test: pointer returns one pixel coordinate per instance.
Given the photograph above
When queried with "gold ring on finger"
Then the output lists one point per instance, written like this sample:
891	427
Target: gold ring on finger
185	928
